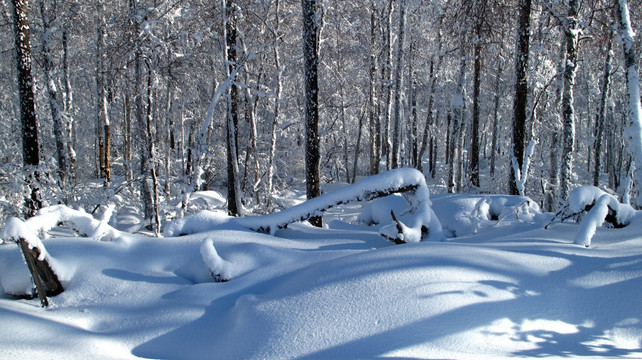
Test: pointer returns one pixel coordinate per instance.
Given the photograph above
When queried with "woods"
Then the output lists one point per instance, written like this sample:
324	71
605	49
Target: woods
152	100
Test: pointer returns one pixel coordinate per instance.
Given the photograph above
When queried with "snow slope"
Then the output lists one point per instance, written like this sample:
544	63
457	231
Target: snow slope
502	290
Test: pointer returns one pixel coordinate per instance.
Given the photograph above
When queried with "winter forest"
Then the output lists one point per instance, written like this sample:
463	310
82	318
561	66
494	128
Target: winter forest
138	94
229	179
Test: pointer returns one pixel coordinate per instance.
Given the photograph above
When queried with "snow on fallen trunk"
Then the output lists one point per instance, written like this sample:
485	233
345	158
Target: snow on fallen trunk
85	224
580	200
40	263
419	219
405	180
607	206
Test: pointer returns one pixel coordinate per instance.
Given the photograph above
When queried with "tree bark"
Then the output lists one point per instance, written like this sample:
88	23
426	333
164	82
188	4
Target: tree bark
634	132
520	101
396	136
571	29
310	56
374	122
53	96
601	116
231	125
474	136
29	123
277	101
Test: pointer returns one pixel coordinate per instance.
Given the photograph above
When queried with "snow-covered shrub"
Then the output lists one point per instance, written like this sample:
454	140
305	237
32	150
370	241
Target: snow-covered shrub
606	208
465	214
580	201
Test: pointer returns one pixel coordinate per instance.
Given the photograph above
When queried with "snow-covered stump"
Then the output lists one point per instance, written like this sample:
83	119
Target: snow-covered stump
38	260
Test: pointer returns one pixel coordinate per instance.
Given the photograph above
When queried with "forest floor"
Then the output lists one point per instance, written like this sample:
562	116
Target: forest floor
494	288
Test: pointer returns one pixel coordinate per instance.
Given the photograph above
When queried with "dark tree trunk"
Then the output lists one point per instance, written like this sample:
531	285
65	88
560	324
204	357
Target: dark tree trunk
396	137
601	116
571	29
520	101
233	190
30	150
474	136
310	55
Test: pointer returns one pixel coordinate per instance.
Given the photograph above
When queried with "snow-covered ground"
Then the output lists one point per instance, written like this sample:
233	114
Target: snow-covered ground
499	286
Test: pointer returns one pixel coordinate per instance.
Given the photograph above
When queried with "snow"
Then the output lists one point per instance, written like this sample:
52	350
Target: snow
503	288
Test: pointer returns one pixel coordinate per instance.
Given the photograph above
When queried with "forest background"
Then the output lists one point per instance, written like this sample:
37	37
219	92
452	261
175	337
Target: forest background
141	103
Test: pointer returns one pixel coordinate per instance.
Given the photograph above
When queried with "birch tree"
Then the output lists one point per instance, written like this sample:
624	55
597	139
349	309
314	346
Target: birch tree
633	133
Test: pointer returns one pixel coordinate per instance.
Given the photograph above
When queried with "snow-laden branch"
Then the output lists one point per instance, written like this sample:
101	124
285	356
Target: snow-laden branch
420	220
85	224
607	205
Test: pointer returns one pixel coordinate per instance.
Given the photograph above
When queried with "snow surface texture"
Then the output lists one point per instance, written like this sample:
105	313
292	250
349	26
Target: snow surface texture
504	288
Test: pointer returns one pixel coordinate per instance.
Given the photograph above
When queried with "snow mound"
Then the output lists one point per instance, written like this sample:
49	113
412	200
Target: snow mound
465	215
203	221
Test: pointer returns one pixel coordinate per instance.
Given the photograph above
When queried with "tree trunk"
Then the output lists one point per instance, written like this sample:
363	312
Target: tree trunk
456	105
233	190
310	56
277	101
386	83
396	137
30	151
601	116
474	136
68	105
571	30
374	122
52	92
497	95
101	95
520	100
634	132
434	70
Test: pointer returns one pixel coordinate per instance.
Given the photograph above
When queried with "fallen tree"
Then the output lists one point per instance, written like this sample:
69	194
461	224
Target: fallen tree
418	223
41	265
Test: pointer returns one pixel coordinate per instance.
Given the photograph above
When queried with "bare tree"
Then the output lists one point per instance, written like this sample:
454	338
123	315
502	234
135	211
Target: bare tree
634	131
521	90
30	151
311	61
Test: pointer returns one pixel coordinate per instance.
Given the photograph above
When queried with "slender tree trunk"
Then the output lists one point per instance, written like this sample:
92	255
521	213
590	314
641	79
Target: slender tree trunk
101	98
386	73
430	119
521	90
634	132
396	141
374	123
571	30
601	116
52	92
30	151
277	101
456	105
310	56
493	146
68	105
233	189
474	136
